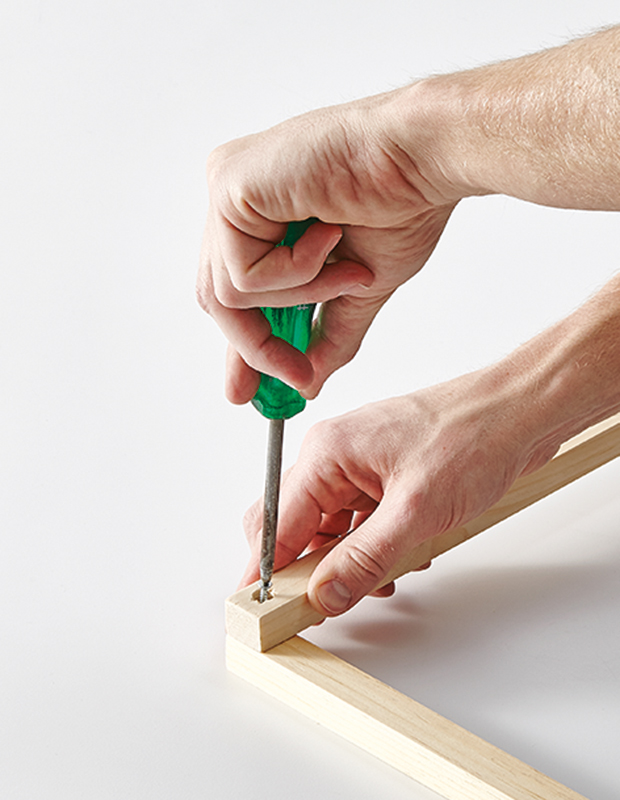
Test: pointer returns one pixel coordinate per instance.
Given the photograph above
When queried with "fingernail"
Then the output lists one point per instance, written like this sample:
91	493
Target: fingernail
334	597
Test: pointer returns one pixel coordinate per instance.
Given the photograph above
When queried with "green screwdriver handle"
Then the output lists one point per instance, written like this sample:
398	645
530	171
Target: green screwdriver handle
274	398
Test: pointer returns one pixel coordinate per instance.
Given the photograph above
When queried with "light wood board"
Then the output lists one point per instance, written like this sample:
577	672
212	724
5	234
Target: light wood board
410	737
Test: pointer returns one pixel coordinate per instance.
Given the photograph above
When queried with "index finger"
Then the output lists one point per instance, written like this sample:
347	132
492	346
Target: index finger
253	259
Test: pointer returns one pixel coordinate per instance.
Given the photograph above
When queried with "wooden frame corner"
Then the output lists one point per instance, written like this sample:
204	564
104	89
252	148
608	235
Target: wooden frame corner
417	741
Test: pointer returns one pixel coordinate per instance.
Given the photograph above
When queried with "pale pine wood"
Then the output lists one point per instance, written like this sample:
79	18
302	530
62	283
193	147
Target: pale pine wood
264	625
413	739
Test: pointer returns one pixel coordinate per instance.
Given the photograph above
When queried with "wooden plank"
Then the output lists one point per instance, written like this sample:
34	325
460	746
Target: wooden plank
264	625
389	725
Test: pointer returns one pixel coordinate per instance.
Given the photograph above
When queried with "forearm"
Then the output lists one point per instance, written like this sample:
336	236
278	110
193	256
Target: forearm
566	378
543	128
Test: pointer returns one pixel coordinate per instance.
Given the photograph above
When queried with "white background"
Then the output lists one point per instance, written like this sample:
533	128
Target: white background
124	473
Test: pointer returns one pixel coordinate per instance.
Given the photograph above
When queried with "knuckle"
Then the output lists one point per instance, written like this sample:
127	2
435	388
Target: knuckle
216	160
323	436
241	281
366	567
219	290
227	295
214	294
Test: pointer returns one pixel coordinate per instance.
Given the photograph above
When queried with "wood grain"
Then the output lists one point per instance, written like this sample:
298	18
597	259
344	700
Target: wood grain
263	625
408	736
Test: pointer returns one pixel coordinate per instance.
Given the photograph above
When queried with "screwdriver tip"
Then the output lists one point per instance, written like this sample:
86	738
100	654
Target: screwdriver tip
264	593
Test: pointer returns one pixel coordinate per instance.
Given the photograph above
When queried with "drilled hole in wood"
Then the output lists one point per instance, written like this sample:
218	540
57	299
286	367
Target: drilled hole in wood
256	595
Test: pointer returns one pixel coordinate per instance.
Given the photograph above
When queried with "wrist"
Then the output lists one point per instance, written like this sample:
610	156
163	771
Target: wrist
458	131
448	126
417	123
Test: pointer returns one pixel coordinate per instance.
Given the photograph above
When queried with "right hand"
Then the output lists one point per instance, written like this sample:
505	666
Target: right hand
381	217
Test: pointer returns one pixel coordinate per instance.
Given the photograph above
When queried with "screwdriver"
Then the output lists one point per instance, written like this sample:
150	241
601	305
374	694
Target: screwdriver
277	401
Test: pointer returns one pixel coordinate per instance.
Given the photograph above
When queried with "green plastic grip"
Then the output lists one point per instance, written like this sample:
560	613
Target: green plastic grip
274	398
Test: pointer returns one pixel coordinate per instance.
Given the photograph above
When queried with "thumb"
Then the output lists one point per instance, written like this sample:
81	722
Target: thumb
357	565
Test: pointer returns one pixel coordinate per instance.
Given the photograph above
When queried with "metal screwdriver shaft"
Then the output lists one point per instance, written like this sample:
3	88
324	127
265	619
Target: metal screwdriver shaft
277	401
270	514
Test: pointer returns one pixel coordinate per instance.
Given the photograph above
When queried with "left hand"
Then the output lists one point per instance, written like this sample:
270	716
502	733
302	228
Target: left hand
397	473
